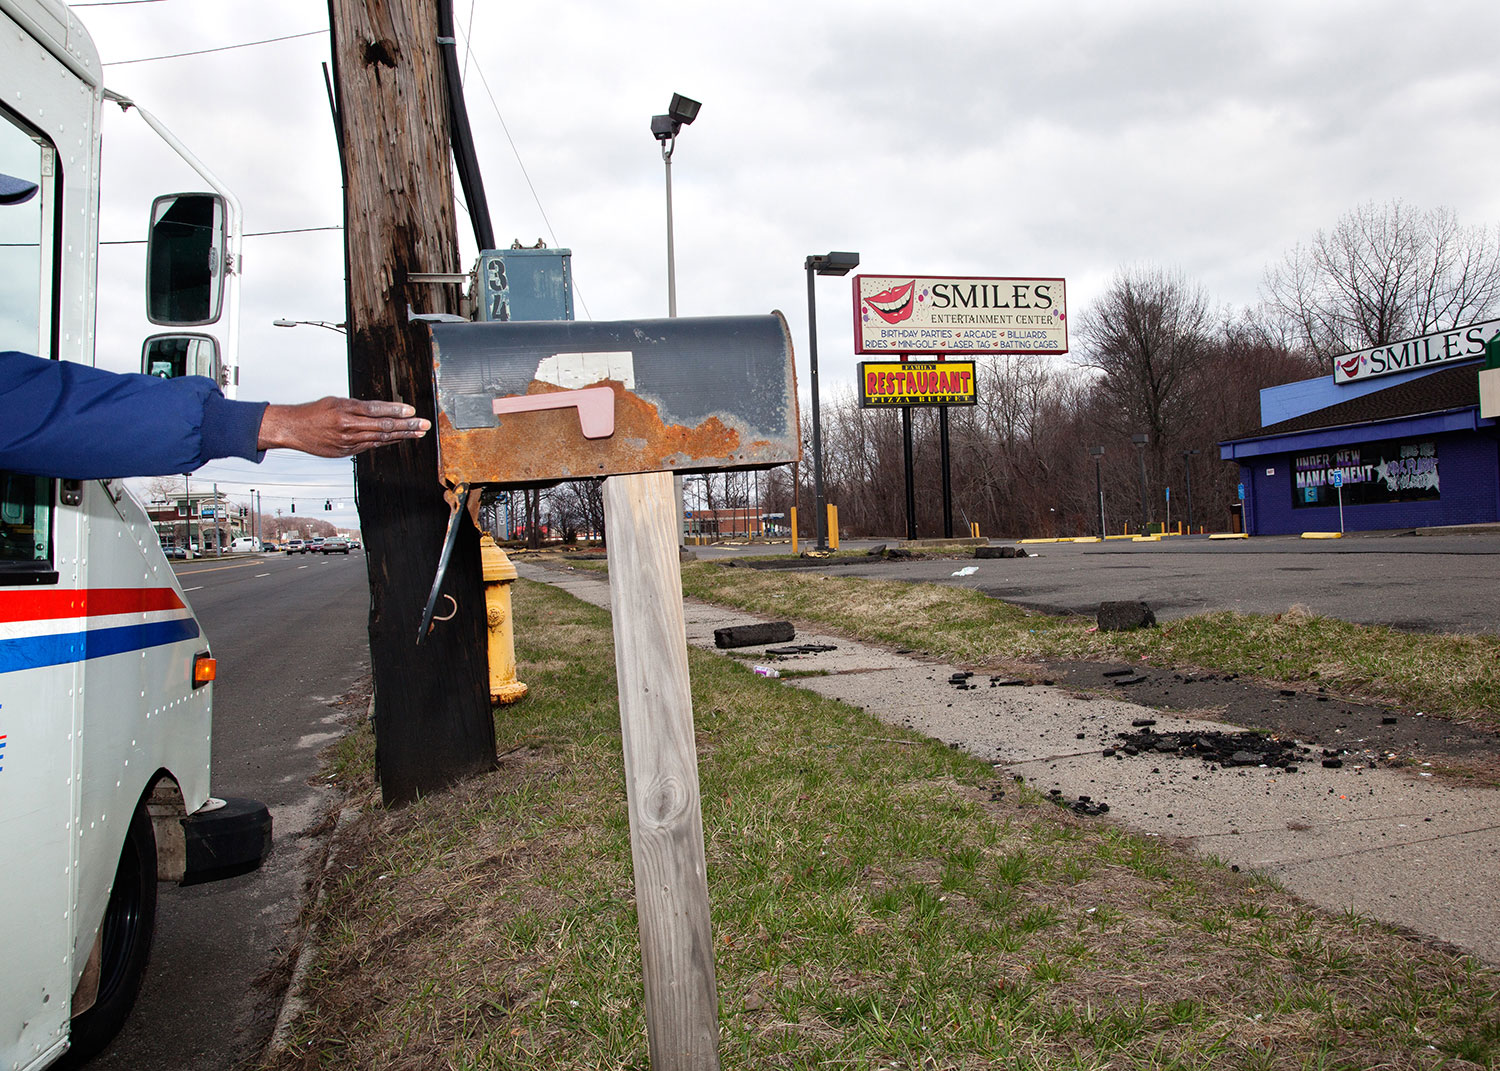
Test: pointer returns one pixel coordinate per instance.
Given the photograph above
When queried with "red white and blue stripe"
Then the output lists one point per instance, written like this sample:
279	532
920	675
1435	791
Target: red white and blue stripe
54	627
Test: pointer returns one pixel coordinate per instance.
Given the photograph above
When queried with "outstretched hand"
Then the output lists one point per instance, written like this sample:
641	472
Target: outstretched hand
339	427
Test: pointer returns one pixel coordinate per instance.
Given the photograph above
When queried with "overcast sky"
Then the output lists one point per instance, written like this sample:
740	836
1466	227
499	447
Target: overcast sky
965	137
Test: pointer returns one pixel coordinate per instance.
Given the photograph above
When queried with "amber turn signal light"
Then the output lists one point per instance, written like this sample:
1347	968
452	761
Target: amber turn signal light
205	669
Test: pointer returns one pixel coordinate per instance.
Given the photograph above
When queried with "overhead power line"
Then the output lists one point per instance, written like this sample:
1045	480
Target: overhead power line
479	70
221	48
247	234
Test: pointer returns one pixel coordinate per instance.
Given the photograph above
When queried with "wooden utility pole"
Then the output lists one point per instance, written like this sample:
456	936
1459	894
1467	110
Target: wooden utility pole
432	710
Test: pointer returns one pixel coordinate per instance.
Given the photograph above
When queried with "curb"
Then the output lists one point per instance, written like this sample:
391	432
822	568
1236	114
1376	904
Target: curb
292	1002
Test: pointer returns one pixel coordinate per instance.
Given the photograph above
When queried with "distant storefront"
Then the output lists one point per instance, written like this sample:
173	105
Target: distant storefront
1403	449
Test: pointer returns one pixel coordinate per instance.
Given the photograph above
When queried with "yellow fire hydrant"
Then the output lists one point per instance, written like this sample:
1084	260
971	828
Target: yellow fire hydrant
499	574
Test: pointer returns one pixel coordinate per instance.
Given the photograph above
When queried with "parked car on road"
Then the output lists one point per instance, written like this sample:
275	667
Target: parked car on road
336	545
296	546
174	551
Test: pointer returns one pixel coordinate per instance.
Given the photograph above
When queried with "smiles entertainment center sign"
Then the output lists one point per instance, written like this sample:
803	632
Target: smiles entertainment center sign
922	314
1460	344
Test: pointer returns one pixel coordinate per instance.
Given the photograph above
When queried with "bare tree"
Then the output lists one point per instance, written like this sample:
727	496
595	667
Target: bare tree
1381	274
1147	336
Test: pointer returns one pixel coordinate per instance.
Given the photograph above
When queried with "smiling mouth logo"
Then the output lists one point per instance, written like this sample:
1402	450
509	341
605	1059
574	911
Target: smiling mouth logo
895	304
1351	366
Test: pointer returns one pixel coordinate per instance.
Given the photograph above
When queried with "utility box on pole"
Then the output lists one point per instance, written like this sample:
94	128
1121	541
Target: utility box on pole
525	284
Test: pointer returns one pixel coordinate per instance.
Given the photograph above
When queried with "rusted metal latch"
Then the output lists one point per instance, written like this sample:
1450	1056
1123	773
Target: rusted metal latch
460	500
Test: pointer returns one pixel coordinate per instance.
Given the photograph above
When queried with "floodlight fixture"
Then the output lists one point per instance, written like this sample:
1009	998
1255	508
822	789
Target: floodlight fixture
680	113
683	109
1096	451
833	263
1140	438
664	127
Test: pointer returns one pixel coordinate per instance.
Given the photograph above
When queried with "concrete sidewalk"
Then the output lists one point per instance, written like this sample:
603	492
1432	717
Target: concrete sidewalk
1395	845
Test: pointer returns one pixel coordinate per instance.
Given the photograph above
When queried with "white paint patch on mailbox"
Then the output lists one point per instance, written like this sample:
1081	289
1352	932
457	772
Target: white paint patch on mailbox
573	370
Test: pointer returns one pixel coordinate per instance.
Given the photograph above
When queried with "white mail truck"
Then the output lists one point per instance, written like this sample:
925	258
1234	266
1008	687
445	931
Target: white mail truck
106	697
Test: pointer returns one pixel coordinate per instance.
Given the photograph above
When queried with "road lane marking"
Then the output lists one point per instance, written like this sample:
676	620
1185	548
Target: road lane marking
198	588
259	575
215	568
301	567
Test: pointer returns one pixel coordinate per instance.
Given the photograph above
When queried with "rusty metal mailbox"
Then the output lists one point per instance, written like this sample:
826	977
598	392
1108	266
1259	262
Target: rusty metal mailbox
528	402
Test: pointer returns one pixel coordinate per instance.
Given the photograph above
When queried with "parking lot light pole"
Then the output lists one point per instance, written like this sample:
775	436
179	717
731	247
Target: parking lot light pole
826	264
1098	452
1187	468
1140	439
665	128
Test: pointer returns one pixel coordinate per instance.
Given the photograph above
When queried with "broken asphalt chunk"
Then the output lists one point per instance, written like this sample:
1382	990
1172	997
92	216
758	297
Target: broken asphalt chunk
754	635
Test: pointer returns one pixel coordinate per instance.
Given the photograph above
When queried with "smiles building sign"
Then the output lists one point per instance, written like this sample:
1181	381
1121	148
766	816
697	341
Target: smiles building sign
929	314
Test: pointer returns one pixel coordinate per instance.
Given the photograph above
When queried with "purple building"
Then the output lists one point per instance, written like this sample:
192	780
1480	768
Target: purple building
1404	447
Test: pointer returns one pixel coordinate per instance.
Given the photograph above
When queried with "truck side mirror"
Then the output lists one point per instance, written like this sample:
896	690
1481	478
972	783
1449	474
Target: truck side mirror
185	251
170	356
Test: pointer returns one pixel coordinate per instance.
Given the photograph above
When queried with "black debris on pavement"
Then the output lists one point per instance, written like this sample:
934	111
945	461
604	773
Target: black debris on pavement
802	648
1084	805
1225	749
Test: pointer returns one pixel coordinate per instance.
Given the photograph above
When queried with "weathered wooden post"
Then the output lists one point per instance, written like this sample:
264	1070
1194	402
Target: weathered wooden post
530	402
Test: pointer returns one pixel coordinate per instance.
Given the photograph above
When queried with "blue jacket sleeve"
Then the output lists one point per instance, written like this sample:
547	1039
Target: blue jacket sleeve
76	422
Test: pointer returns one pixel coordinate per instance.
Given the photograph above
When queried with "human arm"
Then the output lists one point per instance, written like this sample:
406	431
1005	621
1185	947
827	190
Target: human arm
338	427
73	421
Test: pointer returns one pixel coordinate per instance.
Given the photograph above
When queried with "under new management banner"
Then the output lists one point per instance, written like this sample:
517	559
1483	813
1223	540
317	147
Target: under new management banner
929	383
943	314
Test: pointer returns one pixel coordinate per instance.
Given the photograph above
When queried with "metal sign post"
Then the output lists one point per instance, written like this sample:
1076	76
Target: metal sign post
1338	484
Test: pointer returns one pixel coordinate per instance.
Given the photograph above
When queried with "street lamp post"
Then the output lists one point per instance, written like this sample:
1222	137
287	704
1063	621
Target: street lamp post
826	264
1141	439
1098	452
1187	468
340	328
665	129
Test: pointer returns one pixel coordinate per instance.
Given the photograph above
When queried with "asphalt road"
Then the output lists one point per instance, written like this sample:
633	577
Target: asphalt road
1443	582
289	636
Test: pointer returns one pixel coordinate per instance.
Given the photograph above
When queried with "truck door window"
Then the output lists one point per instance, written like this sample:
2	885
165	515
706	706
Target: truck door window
25	523
25	262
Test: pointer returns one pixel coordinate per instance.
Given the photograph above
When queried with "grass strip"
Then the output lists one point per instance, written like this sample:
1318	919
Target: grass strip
1450	675
879	901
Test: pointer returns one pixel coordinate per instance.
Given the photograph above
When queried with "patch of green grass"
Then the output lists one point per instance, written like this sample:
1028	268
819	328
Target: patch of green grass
1453	675
872	908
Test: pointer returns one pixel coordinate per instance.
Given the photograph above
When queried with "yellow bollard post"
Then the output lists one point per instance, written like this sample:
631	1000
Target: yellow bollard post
833	527
499	574
794	531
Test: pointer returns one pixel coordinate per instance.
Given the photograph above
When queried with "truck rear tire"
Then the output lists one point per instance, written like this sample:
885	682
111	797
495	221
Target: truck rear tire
129	923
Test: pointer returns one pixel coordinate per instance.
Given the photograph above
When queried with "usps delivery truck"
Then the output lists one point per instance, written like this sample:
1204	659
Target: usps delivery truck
105	675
